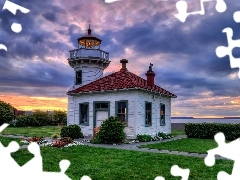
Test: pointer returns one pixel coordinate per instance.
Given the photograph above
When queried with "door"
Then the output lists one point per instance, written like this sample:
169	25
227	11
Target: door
100	117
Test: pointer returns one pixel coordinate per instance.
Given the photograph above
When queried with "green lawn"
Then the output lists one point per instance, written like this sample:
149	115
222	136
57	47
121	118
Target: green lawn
6	140
185	145
45	131
103	163
178	132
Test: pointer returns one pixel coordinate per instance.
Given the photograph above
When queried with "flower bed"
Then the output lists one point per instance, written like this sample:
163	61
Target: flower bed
60	142
64	142
38	140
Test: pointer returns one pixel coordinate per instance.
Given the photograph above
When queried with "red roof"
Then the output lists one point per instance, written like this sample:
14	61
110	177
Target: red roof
122	79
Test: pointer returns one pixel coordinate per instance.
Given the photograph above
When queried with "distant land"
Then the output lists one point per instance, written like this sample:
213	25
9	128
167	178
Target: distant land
204	118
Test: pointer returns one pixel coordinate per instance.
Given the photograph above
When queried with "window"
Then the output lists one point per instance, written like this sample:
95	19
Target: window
121	111
148	113
78	77
162	114
101	106
83	113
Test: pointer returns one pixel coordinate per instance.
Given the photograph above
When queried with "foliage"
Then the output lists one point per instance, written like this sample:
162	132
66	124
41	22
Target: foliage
6	112
208	130
96	139
112	131
164	135
72	131
55	136
62	142
144	137
26	120
159	136
59	117
42	117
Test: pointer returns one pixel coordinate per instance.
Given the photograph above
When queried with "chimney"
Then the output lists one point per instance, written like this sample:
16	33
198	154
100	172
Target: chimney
124	62
150	76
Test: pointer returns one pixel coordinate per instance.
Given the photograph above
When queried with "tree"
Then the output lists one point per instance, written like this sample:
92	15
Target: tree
59	117
6	112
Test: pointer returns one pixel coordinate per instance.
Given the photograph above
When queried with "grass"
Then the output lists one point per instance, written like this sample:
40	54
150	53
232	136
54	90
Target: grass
185	145
6	140
111	164
178	132
45	131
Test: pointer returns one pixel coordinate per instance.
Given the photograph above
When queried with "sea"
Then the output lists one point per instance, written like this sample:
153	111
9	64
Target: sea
206	120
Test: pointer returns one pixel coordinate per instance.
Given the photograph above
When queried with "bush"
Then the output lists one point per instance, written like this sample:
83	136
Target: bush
144	137
6	112
96	139
209	130
26	120
59	117
112	131
72	131
55	136
42	118
164	135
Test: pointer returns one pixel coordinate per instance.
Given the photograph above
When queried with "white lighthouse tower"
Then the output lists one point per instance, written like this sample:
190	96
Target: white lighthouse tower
88	60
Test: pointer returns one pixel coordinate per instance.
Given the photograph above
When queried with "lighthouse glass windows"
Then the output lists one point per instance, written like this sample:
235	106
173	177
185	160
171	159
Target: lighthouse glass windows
78	77
148	113
83	113
162	114
122	111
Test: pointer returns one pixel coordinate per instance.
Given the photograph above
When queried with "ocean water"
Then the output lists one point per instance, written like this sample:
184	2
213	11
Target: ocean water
210	120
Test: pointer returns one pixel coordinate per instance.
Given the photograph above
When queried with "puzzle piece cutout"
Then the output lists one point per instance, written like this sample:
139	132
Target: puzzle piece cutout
177	171
33	169
228	150
111	1
16	27
182	9
222	51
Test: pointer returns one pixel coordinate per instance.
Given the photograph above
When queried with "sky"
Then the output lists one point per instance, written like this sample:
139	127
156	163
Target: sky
35	74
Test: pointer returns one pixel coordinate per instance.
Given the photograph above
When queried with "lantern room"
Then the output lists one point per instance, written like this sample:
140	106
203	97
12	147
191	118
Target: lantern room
89	41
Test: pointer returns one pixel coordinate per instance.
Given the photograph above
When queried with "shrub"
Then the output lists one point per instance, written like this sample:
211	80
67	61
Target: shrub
209	130
55	136
96	139
6	112
72	131
112	131
42	117
26	120
59	117
144	137
164	135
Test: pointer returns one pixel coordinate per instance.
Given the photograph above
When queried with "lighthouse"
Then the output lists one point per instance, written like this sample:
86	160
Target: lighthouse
88	60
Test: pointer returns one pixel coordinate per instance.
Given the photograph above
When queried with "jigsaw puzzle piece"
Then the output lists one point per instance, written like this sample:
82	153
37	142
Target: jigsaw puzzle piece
222	51
157	178
227	150
7	162
221	6
177	171
35	164
182	11
236	16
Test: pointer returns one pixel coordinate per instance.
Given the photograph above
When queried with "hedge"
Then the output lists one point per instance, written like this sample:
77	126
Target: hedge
209	130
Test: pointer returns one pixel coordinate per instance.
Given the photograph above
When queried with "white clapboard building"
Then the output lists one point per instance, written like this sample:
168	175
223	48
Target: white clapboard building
141	105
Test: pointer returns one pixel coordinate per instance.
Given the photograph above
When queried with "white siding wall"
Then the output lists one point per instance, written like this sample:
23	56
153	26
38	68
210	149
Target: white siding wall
110	96
70	112
90	73
155	128
136	111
